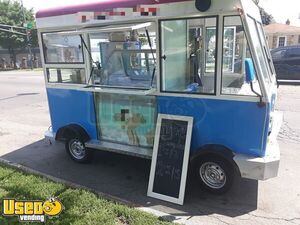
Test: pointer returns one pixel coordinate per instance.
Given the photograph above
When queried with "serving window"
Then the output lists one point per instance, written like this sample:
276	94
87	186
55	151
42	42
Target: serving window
124	57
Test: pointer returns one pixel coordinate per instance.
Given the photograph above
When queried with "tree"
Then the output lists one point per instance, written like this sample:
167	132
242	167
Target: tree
265	17
11	14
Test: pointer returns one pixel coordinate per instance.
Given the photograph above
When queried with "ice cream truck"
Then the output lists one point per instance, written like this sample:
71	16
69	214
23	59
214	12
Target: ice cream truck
111	67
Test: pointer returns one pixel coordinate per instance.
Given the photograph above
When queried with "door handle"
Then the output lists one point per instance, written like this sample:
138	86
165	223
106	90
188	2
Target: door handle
164	57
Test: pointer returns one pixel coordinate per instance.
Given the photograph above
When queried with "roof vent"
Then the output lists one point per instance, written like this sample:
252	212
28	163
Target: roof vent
203	5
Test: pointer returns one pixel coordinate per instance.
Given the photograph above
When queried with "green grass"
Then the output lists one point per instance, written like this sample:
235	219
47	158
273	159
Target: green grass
80	207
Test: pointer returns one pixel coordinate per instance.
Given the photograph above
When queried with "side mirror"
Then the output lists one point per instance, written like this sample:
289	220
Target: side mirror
250	71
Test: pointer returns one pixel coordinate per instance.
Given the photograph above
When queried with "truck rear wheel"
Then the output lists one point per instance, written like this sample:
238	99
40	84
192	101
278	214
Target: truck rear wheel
77	151
215	174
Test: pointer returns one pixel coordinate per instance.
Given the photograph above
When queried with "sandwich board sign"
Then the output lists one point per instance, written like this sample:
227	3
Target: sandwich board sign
170	158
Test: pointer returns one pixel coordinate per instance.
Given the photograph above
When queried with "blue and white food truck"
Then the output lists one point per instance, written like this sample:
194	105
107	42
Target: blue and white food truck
111	67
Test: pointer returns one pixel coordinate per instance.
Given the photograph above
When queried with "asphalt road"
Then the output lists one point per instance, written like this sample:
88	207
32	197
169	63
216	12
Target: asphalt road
24	118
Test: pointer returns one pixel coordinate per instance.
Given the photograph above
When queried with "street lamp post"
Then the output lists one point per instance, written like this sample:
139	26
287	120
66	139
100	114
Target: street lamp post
27	36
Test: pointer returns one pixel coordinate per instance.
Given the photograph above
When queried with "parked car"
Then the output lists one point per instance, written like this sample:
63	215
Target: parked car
287	62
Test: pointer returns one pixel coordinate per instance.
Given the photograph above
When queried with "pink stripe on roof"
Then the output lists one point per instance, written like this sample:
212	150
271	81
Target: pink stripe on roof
102	5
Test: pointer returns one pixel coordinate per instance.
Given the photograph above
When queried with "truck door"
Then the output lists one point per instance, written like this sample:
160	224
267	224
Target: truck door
124	113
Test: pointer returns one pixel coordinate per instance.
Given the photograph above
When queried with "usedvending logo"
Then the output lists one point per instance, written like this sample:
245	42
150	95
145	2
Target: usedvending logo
32	211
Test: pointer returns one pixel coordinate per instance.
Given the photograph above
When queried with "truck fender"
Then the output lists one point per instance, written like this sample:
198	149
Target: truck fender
215	150
71	131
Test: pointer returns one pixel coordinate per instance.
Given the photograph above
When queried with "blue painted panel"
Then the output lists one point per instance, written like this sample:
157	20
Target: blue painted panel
72	106
234	124
240	126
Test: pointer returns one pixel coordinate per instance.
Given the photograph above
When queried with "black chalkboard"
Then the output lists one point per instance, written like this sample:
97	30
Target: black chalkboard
170	154
170	157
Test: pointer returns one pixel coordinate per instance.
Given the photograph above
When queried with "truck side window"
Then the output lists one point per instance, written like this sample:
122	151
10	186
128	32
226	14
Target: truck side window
63	57
70	76
62	48
188	55
235	54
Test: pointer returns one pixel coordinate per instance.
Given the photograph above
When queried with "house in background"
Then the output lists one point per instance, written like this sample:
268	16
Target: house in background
279	35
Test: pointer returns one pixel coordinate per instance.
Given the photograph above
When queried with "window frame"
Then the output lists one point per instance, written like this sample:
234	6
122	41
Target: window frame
84	30
269	79
278	40
251	53
58	63
47	69
110	28
159	57
262	35
63	65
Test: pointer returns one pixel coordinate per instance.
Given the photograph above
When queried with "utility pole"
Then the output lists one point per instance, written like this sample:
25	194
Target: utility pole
27	35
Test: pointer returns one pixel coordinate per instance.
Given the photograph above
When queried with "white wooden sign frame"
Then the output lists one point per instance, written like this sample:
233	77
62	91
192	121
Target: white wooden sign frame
150	193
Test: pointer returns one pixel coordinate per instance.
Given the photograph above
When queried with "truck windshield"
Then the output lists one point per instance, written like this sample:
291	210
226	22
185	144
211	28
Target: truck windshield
259	49
266	48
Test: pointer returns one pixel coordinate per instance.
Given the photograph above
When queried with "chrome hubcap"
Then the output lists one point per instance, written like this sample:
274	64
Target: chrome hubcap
212	175
77	149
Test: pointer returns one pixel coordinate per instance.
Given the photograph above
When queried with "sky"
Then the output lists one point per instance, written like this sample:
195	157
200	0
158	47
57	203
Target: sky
280	9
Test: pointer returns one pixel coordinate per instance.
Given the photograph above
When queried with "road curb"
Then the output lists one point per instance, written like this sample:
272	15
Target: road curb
65	182
161	215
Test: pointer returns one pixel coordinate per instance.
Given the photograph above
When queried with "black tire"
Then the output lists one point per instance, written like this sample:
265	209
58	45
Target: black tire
214	174
77	151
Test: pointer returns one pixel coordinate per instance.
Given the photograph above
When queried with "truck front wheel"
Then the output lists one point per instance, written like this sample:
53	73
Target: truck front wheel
215	174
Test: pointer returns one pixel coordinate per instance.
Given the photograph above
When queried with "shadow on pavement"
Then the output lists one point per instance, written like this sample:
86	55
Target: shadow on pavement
127	178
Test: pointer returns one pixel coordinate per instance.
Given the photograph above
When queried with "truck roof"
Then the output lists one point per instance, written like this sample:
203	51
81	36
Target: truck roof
103	12
102	5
